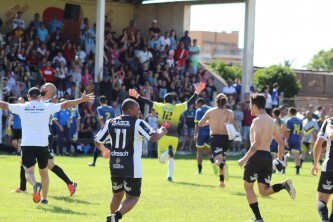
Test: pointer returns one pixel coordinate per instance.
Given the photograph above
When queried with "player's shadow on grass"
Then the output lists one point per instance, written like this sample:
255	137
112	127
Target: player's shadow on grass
194	184
72	200
61	210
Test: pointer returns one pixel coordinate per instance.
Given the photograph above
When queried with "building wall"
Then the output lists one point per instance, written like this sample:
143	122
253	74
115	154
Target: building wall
118	14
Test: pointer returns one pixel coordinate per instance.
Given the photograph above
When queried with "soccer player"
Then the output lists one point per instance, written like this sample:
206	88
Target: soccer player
219	141
294	136
282	129
258	160
126	133
35	116
104	112
48	93
168	116
310	130
201	135
188	127
325	187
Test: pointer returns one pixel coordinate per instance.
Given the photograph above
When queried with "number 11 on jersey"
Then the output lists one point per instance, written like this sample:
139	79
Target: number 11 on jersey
118	132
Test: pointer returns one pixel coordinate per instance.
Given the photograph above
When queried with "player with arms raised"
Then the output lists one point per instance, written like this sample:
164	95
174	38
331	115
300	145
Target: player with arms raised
168	116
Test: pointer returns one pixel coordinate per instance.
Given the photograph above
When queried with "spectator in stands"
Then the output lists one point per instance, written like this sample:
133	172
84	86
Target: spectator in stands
275	95
36	22
164	40
131	29
54	23
123	94
311	109
11	82
173	40
31	33
155	41
77	70
247	121
83	30
145	56
238	88
116	108
68	51
194	51
42	33
181	54
138	43
238	116
81	54
18	22
86	76
87	109
89	42
210	88
187	40
154	27
48	73
268	97
229	90
59	58
56	37
152	120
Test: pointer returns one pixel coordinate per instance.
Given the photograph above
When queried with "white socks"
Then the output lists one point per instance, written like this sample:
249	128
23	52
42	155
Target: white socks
171	166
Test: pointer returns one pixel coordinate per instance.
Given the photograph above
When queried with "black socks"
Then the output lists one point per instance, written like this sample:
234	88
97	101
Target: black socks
60	173
199	168
278	187
322	210
255	210
23	180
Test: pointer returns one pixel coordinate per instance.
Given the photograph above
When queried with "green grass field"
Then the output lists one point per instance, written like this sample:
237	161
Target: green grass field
193	198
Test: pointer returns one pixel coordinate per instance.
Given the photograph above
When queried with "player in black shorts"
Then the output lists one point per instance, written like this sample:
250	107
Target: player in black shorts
126	133
325	184
258	160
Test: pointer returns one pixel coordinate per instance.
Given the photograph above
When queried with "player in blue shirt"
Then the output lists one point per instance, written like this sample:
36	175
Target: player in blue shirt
201	135
14	124
294	136
104	112
188	127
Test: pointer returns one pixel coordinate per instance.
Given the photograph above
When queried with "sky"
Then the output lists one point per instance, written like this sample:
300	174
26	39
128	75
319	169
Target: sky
291	30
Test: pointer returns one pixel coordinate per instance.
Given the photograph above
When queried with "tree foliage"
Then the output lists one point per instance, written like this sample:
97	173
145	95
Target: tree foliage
226	71
322	61
284	76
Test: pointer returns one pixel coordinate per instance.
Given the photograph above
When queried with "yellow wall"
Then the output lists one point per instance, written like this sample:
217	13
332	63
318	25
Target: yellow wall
119	14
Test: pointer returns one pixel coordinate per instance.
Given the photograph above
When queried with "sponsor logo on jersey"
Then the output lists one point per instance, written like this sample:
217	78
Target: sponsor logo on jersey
328	185
126	187
117	166
254	177
115	153
115	186
121	123
34	109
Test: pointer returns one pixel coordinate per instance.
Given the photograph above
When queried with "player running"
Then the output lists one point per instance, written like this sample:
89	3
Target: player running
104	112
168	116
282	129
201	135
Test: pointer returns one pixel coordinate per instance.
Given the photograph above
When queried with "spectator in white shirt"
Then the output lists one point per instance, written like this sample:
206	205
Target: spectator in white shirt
18	22
165	40
229	90
144	56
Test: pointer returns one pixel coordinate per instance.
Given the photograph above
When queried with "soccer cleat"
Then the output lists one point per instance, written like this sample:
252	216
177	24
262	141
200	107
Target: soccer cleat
44	201
111	218
198	173
72	188
288	184
91	164
215	169
222	184
170	151
18	190
169	179
226	172
255	220
164	157
36	195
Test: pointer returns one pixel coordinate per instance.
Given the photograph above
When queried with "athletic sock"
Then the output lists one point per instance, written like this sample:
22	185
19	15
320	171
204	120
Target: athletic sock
277	187
255	210
96	153
199	168
222	178
322	210
23	180
170	167
118	215
60	173
212	160
297	169
301	163
221	166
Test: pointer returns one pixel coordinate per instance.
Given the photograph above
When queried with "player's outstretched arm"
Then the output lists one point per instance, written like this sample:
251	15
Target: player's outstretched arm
133	93
199	87
4	105
84	98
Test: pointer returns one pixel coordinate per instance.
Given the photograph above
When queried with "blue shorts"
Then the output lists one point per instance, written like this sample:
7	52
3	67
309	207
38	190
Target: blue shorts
294	146
203	139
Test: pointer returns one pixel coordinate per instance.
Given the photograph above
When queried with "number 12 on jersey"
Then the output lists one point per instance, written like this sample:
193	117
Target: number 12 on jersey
118	132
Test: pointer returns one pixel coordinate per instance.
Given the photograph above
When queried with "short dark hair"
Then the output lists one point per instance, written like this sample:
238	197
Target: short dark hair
258	100
201	101
292	110
276	112
169	98
102	99
128	104
34	92
12	100
221	100
275	84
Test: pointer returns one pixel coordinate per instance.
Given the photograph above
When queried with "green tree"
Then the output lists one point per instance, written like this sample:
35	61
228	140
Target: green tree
225	71
323	60
284	76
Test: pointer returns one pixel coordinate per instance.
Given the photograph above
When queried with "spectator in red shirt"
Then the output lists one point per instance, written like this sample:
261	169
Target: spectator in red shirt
181	54
247	121
33	61
48	73
68	51
86	76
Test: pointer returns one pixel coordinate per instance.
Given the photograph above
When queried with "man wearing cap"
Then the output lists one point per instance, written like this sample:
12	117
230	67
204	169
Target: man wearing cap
35	116
154	27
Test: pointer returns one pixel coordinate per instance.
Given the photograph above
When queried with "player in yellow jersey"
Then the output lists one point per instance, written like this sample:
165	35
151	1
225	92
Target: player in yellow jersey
168	116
